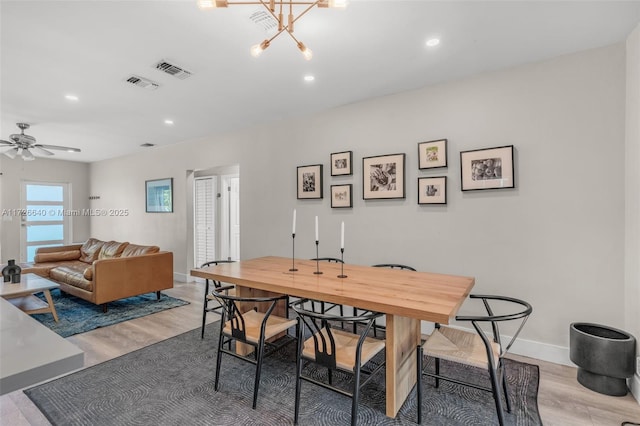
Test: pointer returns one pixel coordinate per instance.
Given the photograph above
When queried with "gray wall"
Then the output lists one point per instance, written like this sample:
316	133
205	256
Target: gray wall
45	170
556	240
632	195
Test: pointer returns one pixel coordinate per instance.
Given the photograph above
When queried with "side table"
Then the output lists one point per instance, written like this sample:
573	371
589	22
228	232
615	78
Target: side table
22	294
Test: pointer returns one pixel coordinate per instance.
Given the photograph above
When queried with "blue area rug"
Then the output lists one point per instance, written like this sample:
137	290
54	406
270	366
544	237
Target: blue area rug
79	316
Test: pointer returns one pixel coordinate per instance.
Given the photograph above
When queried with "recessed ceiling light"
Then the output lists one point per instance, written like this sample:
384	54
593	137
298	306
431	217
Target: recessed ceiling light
71	97
168	122
432	42
309	78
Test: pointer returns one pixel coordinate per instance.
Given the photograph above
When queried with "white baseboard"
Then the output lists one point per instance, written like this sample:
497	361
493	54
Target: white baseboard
634	385
543	351
183	278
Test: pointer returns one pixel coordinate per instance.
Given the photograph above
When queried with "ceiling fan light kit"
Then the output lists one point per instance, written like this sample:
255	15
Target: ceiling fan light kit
21	145
284	26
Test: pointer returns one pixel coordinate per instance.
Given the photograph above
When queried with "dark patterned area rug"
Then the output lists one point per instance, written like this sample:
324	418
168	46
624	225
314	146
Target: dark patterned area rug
76	315
171	383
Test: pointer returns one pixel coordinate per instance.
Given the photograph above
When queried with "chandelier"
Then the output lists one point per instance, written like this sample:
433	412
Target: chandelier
278	9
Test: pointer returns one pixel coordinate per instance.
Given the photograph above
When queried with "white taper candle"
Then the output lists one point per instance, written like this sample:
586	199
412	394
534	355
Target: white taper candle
317	229
294	222
342	237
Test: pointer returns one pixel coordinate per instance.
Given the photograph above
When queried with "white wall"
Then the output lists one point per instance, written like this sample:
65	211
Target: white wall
556	240
632	196
43	170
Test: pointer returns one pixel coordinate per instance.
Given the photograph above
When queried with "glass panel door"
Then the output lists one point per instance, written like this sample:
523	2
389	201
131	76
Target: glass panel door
43	220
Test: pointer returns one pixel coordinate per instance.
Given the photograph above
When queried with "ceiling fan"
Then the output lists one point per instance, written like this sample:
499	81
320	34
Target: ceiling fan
22	145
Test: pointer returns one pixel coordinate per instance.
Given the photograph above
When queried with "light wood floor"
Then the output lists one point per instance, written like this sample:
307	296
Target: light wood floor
562	400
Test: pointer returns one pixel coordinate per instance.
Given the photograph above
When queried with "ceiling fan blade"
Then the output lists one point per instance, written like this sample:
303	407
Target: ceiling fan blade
6	142
40	151
62	148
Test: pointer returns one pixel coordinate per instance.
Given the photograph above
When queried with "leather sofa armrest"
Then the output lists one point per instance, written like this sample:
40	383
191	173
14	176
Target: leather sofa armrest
54	249
122	277
57	253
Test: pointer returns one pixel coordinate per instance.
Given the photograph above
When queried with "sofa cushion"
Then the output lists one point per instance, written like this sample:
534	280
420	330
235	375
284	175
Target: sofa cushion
72	274
88	273
136	250
111	249
57	256
90	250
41	269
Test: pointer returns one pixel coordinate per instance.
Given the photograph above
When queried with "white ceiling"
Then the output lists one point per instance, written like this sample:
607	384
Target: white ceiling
372	48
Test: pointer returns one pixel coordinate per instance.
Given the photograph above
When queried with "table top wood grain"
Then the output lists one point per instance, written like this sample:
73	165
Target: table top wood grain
419	295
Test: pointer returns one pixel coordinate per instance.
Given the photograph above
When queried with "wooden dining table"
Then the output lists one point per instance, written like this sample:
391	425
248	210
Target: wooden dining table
405	297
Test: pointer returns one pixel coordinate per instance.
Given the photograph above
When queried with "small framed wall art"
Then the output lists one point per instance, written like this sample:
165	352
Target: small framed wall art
159	195
432	190
341	163
487	168
383	177
432	154
341	196
310	181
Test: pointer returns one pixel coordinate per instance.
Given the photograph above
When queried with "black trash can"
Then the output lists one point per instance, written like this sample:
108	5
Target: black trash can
604	356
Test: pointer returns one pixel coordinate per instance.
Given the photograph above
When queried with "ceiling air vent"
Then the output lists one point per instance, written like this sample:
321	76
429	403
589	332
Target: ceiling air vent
174	70
264	20
145	83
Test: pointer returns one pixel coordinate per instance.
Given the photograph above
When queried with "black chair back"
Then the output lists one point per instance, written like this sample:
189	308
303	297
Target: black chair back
320	326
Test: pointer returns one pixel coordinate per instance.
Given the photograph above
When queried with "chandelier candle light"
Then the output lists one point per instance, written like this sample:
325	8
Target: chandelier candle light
293	243
279	6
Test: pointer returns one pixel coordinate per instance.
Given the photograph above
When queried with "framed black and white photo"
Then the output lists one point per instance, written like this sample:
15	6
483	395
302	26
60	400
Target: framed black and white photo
310	181
341	196
341	163
432	154
488	168
383	177
432	190
159	196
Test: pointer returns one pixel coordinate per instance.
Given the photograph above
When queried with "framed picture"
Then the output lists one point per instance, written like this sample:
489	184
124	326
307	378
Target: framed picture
310	181
489	168
159	195
432	154
383	177
341	196
341	163
432	190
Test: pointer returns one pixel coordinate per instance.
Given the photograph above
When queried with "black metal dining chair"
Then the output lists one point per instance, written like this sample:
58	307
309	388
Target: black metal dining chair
208	297
335	349
251	321
475	349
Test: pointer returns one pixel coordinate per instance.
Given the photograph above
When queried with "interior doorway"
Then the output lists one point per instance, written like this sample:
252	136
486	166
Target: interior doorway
216	214
230	216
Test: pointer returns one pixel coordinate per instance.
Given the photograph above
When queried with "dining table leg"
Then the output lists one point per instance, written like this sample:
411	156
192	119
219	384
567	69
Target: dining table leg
402	339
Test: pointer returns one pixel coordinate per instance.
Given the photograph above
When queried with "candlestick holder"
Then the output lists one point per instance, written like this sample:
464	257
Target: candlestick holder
317	271
342	275
293	253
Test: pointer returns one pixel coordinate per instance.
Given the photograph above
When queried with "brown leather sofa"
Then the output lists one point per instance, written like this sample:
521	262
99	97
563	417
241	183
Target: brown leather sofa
104	271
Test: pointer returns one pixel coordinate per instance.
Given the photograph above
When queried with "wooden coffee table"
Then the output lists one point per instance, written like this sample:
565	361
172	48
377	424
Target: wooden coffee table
22	294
